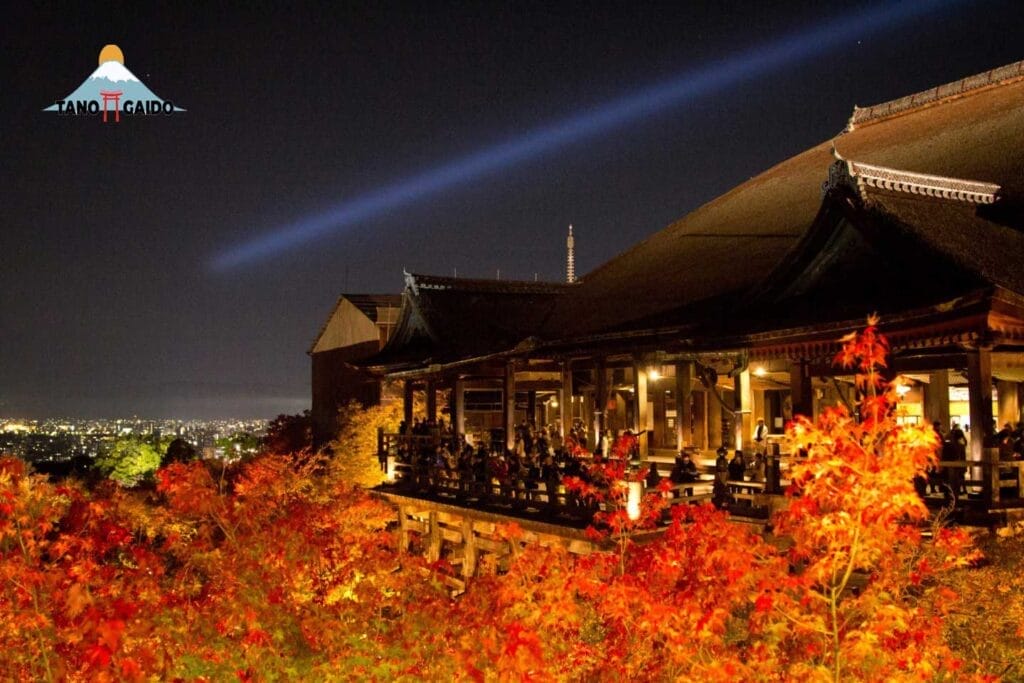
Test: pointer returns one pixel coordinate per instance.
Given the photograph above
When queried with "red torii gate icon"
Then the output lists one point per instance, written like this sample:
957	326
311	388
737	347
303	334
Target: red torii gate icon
115	97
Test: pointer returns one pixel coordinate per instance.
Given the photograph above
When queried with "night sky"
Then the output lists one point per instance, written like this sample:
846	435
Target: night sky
111	302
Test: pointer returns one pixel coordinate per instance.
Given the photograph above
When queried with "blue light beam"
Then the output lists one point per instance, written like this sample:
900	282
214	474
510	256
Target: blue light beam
693	84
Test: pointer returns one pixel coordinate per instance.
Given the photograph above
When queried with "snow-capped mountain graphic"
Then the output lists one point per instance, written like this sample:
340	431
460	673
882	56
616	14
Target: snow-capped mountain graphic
111	76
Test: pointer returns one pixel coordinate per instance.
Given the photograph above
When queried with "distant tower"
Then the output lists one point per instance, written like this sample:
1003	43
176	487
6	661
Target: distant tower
570	258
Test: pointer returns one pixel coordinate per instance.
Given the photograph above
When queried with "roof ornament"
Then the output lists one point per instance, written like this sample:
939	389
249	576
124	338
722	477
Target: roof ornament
851	123
410	282
858	176
942	93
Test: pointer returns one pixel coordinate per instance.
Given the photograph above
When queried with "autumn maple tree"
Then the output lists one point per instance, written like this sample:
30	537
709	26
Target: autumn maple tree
863	596
279	568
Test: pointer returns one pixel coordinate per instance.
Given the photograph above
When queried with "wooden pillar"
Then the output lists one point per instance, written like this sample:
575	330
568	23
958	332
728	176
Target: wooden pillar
600	400
407	397
714	417
936	399
801	393
700	420
979	385
403	529
458	404
531	407
662	437
684	404
468	548
431	401
434	536
1009	408
508	420
743	397
586	409
640	411
565	399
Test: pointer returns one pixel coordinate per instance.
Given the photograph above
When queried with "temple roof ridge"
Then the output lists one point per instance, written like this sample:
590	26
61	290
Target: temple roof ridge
860	176
418	281
908	103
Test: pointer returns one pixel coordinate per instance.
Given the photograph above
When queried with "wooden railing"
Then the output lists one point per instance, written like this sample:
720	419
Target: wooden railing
997	482
467	487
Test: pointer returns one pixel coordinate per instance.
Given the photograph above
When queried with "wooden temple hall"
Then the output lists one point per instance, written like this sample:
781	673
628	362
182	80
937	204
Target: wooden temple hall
914	211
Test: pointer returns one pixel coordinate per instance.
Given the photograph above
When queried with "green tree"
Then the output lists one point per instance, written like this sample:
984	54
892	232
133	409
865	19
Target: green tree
129	460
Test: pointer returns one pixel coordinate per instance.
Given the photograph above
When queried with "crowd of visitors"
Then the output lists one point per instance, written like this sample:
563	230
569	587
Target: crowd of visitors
537	462
951	481
531	472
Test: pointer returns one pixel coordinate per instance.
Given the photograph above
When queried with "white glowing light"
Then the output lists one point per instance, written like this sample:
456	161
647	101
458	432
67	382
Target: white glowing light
642	104
634	491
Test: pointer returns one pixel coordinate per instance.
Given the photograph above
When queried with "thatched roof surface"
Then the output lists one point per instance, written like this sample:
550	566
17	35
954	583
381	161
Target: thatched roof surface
972	238
445	319
709	272
730	244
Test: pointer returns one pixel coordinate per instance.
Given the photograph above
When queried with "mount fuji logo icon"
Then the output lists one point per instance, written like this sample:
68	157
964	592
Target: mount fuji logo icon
112	90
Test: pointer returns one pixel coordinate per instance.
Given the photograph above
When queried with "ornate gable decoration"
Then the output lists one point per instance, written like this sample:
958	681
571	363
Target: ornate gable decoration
859	177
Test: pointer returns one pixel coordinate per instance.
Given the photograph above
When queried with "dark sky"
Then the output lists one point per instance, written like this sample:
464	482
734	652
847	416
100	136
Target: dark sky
109	305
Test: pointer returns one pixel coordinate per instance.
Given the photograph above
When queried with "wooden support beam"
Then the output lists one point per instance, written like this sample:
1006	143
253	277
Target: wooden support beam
979	385
431	390
407	400
459	407
403	529
508	420
936	399
492	546
434	542
744	398
640	409
600	401
1009	408
800	390
469	553
565	400
684	404
700	420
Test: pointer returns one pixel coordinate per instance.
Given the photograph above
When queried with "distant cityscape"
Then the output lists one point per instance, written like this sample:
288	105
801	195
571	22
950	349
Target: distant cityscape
63	439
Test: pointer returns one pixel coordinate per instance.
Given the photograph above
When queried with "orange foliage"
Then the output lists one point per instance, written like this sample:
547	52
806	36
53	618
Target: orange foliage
278	569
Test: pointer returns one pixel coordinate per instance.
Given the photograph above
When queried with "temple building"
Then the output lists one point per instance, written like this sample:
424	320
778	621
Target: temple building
357	328
915	211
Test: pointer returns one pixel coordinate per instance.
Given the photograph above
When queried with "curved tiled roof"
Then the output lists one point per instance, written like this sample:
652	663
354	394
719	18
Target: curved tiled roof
732	243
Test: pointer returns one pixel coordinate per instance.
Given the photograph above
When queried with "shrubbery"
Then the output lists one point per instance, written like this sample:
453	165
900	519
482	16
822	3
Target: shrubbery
279	569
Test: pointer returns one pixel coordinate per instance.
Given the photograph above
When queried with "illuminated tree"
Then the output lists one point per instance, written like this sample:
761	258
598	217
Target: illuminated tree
129	460
355	450
863	601
278	568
